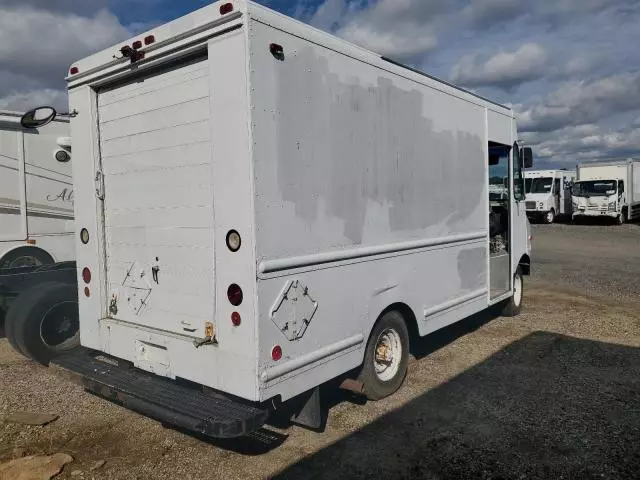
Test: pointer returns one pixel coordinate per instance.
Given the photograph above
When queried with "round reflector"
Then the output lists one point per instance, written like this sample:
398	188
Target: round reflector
84	236
233	241
86	275
236	319
276	353
234	294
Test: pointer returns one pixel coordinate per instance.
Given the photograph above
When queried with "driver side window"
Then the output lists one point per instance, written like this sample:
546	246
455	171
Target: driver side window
620	187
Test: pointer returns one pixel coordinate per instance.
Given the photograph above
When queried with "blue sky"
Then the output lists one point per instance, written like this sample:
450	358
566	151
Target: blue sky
569	68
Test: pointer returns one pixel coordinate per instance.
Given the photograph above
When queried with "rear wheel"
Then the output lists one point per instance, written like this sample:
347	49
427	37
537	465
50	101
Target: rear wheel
513	306
43	321
26	257
386	358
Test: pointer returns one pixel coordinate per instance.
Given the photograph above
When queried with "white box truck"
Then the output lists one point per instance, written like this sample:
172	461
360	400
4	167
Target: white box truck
608	190
548	194
262	207
36	194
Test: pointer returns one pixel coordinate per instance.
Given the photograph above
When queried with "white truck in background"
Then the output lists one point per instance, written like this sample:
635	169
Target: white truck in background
607	190
263	207
548	194
36	193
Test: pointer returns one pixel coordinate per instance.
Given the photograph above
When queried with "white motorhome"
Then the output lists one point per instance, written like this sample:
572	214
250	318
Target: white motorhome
36	193
263	207
608	190
548	194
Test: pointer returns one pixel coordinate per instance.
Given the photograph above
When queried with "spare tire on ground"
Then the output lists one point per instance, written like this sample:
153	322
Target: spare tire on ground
43	322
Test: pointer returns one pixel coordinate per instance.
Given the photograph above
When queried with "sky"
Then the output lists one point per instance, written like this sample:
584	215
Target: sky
569	68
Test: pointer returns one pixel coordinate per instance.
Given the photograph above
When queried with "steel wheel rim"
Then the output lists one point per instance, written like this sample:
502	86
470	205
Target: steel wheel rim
387	355
25	261
517	290
60	325
550	217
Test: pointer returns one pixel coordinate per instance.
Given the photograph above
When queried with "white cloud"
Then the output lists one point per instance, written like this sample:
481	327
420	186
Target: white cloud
37	46
21	102
581	102
504	69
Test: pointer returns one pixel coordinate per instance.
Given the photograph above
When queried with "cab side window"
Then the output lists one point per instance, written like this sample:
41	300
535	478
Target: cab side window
620	187
556	186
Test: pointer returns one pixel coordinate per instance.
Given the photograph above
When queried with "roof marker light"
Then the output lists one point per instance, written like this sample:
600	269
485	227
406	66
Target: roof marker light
226	8
149	39
137	44
74	70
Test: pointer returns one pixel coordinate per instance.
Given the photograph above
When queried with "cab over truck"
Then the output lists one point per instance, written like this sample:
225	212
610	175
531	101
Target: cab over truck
608	190
263	207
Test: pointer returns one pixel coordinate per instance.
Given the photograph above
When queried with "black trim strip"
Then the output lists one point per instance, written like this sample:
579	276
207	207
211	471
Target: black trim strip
439	80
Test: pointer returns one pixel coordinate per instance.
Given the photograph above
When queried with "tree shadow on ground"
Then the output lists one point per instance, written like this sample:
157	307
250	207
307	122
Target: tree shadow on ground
546	406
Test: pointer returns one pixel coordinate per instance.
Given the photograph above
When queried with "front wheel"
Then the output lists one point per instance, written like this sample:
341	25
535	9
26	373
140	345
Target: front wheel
622	218
514	305
550	217
386	358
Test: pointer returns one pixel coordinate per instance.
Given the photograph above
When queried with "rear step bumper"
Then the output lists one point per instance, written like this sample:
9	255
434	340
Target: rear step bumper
163	399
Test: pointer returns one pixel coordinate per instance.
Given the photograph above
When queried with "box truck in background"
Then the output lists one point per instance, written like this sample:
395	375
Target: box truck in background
609	189
263	207
36	193
548	194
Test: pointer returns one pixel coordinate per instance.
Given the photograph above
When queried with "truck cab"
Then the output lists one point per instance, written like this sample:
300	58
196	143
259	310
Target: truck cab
548	194
608	190
603	197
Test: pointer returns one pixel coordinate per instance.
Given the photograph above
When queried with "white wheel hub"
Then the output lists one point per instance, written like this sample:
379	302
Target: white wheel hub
550	216
388	354
517	290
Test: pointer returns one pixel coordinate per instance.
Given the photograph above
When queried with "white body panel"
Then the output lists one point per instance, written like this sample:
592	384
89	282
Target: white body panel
336	168
626	199
36	192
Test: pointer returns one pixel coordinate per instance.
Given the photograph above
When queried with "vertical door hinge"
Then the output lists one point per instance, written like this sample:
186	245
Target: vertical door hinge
99	184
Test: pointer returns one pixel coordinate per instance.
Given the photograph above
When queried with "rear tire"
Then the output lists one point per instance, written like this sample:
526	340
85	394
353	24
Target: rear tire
386	358
43	322
26	257
513	306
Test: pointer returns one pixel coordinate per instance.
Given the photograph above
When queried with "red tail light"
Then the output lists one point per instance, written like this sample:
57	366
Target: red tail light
86	275
226	8
276	353
236	319
234	294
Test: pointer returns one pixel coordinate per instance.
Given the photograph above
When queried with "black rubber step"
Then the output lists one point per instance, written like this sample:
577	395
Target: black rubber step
162	398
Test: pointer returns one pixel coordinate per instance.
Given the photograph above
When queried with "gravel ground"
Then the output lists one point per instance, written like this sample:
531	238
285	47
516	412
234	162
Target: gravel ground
554	393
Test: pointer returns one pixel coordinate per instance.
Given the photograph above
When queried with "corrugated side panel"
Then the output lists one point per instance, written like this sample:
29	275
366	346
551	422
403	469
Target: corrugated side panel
636	181
156	159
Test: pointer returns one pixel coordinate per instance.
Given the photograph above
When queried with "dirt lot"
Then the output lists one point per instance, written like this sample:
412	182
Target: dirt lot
554	393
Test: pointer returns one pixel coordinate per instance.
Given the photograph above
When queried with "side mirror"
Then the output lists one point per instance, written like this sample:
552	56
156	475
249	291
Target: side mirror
38	117
527	155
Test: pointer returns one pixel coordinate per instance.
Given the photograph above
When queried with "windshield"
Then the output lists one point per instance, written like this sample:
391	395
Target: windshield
539	185
594	188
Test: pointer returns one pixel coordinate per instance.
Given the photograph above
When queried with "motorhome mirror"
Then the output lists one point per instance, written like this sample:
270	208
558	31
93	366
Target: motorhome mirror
38	117
527	154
